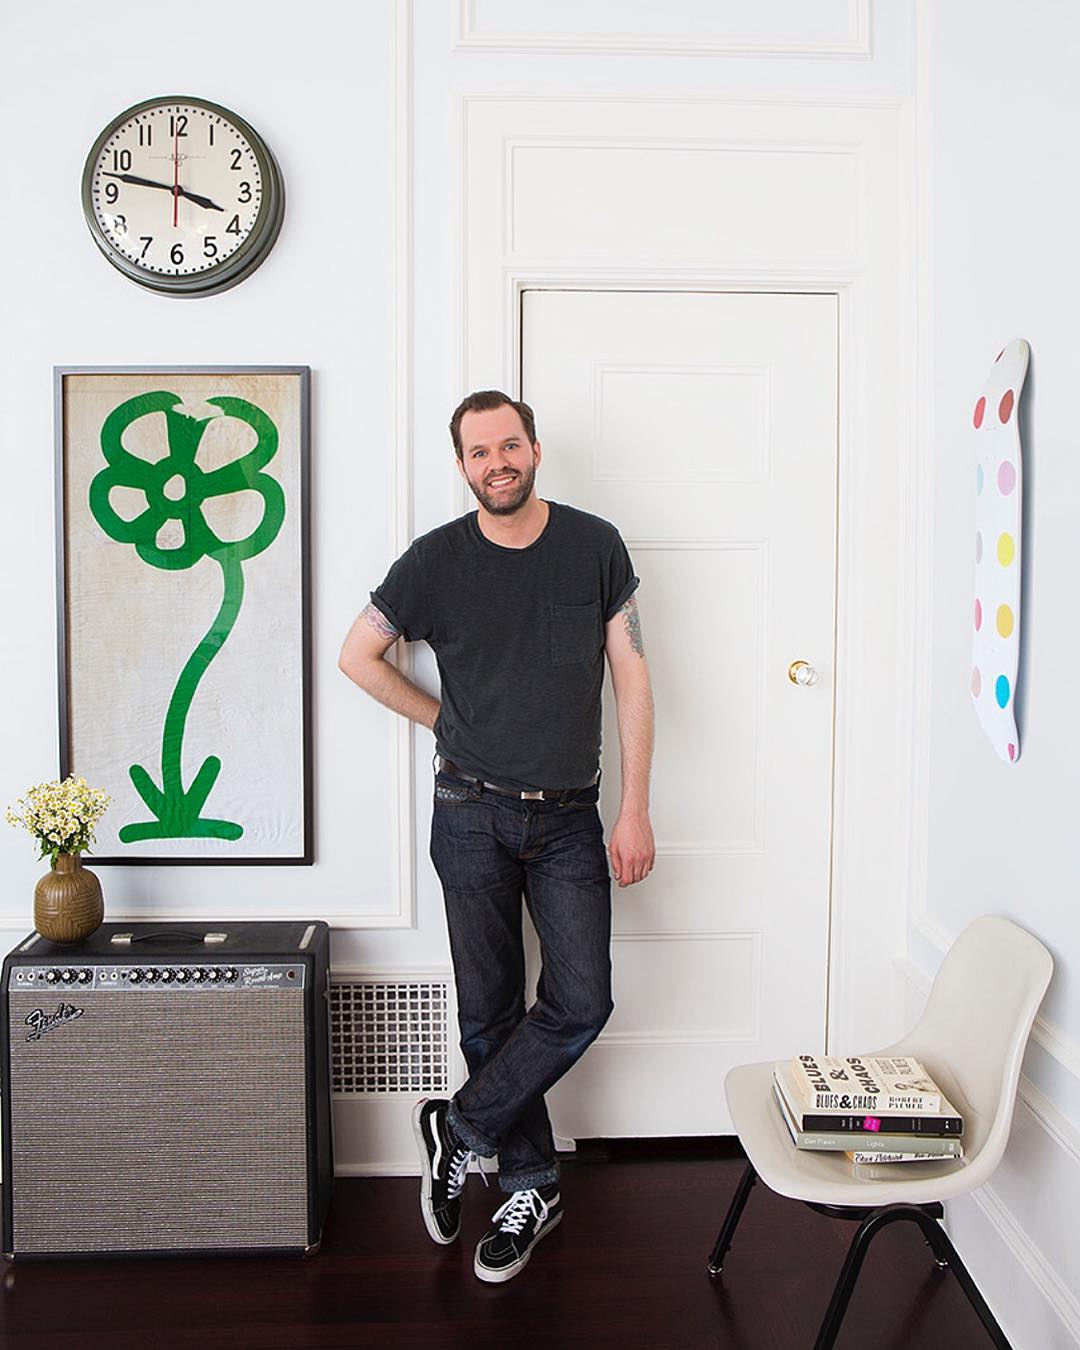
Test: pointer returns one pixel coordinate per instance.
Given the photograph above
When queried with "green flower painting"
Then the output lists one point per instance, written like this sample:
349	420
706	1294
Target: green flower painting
175	489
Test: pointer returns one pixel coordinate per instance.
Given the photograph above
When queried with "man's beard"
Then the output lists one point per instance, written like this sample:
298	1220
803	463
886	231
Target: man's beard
507	503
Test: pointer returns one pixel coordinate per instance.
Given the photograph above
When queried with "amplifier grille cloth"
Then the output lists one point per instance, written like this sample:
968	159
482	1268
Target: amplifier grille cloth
160	1120
389	1037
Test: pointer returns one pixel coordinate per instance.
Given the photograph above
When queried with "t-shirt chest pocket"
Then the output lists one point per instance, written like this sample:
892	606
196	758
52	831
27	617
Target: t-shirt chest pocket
575	633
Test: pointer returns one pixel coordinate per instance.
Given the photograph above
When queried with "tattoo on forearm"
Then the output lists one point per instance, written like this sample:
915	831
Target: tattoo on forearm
381	624
633	625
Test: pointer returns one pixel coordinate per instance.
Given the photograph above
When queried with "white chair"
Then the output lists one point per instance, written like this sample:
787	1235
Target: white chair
971	1037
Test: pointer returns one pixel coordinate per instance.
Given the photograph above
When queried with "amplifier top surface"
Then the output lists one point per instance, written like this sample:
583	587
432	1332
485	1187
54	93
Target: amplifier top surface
148	941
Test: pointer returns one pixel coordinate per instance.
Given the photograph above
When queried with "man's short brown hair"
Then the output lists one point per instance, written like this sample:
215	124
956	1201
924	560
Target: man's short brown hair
485	400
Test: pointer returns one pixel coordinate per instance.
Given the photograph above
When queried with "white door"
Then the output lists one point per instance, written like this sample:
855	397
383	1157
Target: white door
704	425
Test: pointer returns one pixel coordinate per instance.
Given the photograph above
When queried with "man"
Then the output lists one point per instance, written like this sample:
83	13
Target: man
520	600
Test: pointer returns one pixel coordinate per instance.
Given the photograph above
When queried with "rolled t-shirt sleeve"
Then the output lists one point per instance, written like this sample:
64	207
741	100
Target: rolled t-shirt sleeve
403	598
620	583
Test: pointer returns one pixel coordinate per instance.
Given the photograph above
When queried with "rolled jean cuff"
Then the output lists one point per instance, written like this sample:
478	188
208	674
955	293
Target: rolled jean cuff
528	1181
465	1132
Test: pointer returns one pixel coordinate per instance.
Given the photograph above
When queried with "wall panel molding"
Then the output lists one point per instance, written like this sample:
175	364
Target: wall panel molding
853	40
404	914
846	187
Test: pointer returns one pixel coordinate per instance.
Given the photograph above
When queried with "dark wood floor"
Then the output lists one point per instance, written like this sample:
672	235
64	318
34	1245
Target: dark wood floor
626	1268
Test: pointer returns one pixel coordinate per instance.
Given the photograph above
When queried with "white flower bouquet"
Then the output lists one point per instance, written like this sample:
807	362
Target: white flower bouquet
60	816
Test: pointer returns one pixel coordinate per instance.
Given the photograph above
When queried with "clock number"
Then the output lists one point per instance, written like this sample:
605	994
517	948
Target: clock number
120	224
121	160
209	246
245	192
236	160
147	240
176	254
146	133
112	192
211	125
178	124
233	226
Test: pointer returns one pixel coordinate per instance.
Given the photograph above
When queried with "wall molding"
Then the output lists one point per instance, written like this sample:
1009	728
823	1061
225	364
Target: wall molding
402	507
855	45
697	144
1045	1279
794	98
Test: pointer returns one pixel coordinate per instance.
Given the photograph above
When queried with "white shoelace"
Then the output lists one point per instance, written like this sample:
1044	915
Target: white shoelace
459	1166
520	1205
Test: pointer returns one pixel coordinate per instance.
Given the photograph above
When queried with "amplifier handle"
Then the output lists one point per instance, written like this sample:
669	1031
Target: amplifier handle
167	935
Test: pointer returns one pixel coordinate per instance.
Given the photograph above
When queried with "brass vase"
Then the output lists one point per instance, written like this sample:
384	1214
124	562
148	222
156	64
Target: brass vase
67	901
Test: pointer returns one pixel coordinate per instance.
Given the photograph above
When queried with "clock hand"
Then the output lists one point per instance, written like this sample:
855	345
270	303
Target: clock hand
165	187
175	177
199	201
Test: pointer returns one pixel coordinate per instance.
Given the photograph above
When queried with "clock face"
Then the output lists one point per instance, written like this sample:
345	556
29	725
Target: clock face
182	196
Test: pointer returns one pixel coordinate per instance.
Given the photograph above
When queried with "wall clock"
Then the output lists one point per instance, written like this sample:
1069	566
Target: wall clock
182	196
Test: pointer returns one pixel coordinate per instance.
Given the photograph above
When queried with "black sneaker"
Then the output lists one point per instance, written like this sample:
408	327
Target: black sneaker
444	1160
518	1226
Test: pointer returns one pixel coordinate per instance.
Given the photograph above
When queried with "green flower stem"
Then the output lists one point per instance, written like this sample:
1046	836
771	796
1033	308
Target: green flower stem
176	811
204	653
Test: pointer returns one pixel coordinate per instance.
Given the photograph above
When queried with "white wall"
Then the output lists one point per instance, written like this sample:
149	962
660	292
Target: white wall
997	106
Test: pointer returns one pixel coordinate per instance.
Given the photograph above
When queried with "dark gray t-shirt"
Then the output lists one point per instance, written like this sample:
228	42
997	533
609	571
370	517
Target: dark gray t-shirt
518	634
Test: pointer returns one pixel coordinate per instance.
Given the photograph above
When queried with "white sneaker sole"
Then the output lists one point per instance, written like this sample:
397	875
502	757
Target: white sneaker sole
425	1179
508	1273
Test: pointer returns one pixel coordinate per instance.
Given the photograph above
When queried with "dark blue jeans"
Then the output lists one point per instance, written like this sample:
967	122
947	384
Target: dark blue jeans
489	850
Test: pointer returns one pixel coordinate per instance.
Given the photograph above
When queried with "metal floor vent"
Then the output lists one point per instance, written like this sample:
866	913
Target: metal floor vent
389	1036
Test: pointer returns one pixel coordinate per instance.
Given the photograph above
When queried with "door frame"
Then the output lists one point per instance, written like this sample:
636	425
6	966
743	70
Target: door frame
876	721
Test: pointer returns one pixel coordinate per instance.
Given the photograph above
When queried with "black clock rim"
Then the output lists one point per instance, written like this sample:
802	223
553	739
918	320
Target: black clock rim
251	253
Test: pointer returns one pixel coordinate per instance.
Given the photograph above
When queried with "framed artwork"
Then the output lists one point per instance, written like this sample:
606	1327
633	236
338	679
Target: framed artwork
183	608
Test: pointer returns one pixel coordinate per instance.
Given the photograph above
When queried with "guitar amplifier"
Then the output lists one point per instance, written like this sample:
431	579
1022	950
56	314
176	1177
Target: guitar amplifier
167	1091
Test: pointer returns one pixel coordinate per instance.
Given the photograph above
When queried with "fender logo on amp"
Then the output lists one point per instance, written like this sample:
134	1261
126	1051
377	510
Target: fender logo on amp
40	1022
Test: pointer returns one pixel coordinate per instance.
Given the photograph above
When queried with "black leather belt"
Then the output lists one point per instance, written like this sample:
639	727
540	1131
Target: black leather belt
544	795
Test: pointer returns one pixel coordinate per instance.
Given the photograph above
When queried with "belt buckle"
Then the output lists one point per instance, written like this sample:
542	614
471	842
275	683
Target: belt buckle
532	796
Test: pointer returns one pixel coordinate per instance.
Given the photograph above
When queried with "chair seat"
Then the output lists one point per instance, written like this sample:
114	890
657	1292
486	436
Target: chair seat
820	1176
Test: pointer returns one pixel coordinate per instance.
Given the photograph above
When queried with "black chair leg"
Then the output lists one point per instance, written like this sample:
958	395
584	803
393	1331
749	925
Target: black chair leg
943	1251
845	1285
946	1253
727	1230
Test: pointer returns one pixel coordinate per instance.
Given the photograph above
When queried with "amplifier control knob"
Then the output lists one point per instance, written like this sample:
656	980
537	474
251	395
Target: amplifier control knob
135	976
182	976
85	977
166	975
68	976
198	975
230	974
215	973
151	975
52	976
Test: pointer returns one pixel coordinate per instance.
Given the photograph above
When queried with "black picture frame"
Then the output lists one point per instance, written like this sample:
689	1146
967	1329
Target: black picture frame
91	735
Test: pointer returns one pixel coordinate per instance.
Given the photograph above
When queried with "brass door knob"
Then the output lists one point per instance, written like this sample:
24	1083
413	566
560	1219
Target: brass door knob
802	672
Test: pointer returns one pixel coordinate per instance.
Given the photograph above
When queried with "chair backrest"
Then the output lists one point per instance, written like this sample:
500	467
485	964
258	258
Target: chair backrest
976	1025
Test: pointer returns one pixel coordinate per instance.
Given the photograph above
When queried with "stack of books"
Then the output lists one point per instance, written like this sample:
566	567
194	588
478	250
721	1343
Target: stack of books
875	1108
